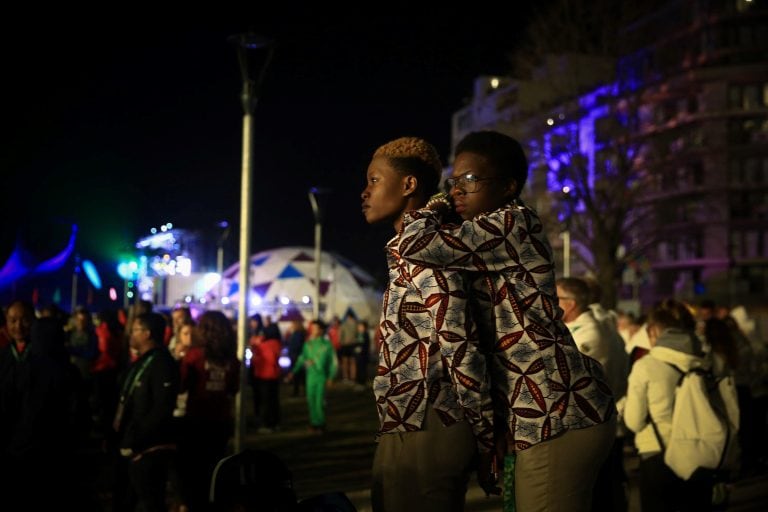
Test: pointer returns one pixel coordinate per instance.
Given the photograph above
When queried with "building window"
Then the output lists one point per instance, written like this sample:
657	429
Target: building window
736	172
735	246
739	205
697	171
753	246
765	170
751	98
753	171
748	96
748	171
744	131
745	36
691	248
734	96
672	253
744	5
757	278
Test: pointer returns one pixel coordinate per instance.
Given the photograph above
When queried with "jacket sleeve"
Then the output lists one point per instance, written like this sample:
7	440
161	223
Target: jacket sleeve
145	430
444	293
593	340
333	363
501	239
299	363
636	405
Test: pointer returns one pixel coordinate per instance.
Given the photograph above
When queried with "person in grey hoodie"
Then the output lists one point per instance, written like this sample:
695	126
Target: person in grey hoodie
651	398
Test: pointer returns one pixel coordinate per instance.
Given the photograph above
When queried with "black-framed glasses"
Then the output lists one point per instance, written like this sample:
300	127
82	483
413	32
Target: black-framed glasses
467	182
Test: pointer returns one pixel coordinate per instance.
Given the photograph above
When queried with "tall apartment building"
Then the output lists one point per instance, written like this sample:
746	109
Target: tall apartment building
688	101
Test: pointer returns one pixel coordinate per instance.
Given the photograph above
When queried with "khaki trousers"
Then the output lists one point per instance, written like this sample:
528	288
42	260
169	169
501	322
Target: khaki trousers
423	471
558	475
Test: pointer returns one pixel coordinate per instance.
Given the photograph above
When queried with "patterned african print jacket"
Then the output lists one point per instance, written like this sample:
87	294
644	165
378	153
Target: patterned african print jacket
541	384
428	354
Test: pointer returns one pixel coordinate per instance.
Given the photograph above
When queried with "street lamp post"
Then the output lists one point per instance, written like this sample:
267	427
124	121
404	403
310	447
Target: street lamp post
566	235
567	202
318	238
254	53
220	258
317	210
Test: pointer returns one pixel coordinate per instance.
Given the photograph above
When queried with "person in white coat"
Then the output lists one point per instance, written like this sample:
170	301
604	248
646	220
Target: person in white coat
598	338
651	398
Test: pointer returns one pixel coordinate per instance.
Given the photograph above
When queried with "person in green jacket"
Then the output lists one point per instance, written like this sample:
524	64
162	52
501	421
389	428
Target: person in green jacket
318	358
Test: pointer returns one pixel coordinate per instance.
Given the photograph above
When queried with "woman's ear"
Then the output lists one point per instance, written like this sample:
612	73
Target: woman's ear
512	191
653	332
410	184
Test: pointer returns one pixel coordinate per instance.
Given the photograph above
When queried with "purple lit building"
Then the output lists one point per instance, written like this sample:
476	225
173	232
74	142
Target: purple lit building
680	120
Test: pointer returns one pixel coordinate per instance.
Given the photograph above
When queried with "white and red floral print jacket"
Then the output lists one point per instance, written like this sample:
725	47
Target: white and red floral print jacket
428	353
541	384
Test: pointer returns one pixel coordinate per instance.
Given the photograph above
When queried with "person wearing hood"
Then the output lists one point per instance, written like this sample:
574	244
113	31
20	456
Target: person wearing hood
651	399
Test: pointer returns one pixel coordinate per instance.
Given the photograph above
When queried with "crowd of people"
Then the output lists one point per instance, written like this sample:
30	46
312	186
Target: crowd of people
152	393
487	364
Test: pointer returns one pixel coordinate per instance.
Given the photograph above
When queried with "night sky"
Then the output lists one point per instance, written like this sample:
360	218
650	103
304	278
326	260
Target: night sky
120	126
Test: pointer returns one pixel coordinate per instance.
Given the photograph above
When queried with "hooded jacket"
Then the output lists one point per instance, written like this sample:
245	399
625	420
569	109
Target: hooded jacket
652	385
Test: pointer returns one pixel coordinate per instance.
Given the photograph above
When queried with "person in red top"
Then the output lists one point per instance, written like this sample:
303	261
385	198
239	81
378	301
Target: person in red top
334	333
210	375
265	368
109	333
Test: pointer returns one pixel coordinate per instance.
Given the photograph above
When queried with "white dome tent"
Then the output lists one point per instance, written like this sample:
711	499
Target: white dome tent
282	284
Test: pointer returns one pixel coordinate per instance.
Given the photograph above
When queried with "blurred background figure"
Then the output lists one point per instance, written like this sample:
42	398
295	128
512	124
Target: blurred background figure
40	432
183	338
179	316
362	352
265	378
109	335
596	335
295	342
83	347
333	333
210	375
320	363
649	406
146	433
346	353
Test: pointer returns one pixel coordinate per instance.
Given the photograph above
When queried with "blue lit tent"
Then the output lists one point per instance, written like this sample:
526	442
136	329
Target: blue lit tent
21	263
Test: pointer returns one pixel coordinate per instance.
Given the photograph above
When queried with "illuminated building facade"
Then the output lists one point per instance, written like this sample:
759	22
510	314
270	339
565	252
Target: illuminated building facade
687	104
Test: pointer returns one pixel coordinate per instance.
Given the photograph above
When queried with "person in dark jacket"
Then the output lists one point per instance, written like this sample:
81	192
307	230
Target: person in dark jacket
295	342
38	412
144	419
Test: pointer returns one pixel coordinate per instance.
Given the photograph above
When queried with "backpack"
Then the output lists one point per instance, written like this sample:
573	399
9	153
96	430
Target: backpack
703	440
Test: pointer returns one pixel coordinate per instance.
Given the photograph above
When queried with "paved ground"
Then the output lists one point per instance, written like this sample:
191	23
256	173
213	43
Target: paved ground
341	459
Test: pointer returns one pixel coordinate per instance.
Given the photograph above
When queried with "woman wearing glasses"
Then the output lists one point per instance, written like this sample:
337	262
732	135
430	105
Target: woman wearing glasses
554	413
